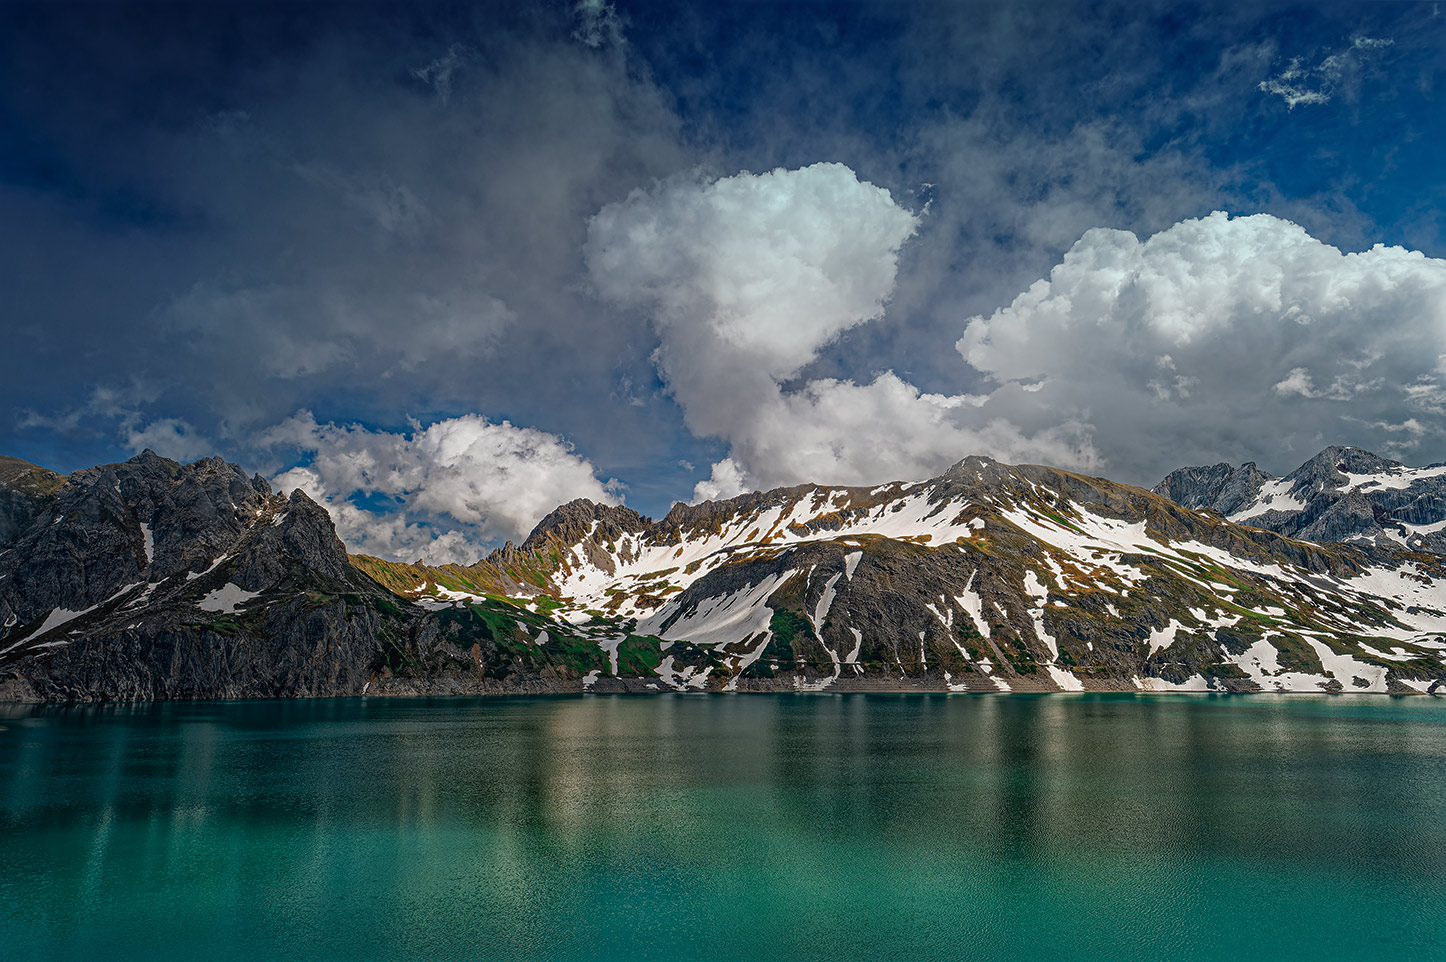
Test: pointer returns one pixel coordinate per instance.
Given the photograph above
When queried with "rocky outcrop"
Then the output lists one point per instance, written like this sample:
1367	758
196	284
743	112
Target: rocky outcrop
1223	488
150	579
25	491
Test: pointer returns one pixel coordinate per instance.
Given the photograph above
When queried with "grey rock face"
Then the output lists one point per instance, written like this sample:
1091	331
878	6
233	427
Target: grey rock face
299	652
301	533
151	579
1341	494
1218	487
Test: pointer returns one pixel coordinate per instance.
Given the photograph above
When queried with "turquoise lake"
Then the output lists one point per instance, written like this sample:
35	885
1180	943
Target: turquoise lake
728	827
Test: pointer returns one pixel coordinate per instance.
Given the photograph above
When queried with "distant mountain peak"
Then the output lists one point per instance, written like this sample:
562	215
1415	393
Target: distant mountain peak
1343	493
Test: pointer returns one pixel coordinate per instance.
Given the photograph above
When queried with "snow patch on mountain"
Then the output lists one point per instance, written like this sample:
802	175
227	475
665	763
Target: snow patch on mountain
1396	479
720	620
226	598
1274	496
148	542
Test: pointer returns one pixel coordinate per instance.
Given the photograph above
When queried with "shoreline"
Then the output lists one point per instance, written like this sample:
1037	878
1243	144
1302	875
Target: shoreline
639	687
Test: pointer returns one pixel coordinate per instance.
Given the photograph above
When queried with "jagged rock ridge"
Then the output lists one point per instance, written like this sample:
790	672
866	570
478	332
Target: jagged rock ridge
1343	494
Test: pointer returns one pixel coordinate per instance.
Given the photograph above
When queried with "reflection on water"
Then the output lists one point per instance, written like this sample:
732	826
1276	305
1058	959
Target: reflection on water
706	827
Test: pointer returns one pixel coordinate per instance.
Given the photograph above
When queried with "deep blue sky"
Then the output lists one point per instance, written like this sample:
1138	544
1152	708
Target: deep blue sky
245	228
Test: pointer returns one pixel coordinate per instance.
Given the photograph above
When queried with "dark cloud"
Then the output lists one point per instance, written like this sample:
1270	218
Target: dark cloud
347	237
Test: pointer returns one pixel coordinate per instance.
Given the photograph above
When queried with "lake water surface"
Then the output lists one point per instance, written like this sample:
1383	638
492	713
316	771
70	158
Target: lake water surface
728	827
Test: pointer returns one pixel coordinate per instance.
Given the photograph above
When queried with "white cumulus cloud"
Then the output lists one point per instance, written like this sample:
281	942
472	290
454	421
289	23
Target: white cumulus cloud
448	490
728	480
1225	337
773	266
746	278
837	431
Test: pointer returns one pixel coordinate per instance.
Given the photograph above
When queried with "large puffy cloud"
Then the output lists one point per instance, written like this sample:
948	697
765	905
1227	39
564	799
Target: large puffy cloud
746	279
772	265
1224	337
443	492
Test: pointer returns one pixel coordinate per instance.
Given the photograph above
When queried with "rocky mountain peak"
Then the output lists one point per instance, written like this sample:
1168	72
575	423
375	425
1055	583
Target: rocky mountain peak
112	525
300	533
576	520
971	466
149	578
1332	467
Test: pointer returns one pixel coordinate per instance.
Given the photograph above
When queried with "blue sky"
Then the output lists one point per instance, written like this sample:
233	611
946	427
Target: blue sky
445	265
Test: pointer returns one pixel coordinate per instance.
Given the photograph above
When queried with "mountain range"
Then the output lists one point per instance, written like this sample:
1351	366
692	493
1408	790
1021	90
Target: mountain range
151	579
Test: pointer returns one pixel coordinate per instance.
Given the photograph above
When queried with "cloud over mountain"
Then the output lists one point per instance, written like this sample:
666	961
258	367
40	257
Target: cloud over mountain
1244	335
746	278
447	490
486	210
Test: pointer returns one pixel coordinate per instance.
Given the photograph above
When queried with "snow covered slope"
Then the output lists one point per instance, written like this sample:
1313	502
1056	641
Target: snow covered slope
988	578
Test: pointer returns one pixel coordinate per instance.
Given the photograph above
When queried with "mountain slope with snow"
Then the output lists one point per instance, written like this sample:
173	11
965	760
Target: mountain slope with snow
152	580
987	578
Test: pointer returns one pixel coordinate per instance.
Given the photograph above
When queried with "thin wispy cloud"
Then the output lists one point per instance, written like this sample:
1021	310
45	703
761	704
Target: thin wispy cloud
438	73
1301	85
598	23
